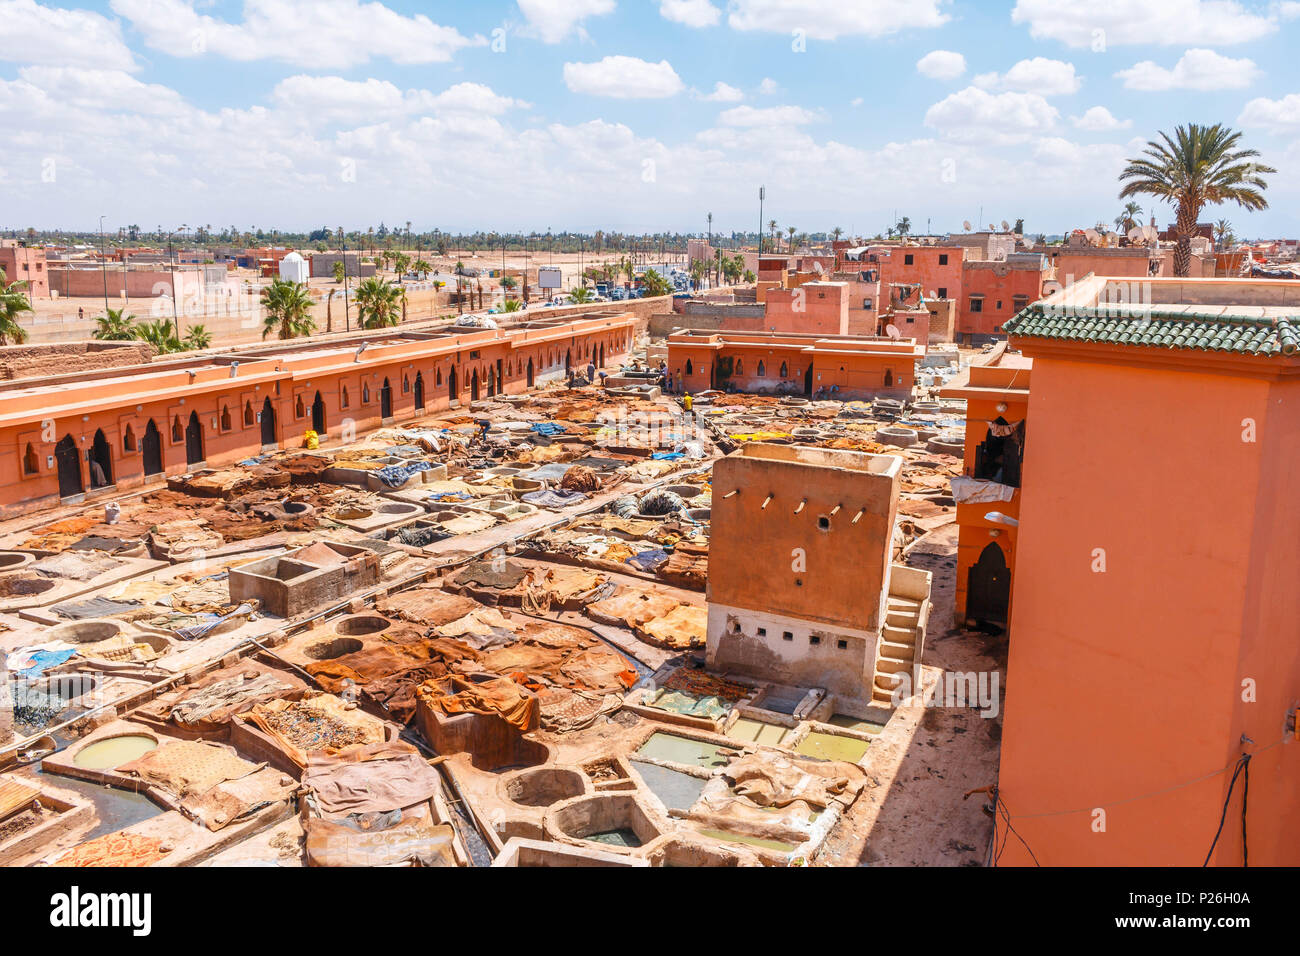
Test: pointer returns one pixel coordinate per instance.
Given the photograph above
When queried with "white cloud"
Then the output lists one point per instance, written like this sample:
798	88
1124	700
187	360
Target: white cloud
724	93
553	20
333	99
1195	70
1090	24
623	77
1280	116
941	65
974	115
111	90
693	13
856	101
1037	75
32	33
340	33
750	116
768	87
1098	119
829	19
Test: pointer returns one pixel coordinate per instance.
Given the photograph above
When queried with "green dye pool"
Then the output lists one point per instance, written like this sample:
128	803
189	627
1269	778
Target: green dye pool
623	836
758	731
750	840
683	750
677	790
679	702
832	747
856	723
113	752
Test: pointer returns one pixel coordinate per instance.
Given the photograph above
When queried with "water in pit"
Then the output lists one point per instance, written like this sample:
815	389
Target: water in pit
832	747
758	731
855	723
683	750
677	790
116	809
114	751
749	840
623	836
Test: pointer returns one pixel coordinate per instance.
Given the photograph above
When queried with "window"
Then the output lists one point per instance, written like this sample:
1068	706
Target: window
977	303
406	384
178	433
439	374
785	371
365	393
824	523
814	640
842	645
889	378
735	627
866	303
128	439
787	636
999	305
344	401
943	292
762	369
762	632
908	259
30	465
740	367
943	258
690	369
1019	303
225	418
248	413
298	410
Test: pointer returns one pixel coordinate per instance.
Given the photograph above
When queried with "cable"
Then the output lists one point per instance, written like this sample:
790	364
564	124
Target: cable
1243	764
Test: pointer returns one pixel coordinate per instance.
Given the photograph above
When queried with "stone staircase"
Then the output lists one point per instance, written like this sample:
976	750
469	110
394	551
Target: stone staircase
902	640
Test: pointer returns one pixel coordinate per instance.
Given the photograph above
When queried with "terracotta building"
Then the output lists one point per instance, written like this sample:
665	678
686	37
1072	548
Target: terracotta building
26	264
801	584
92	433
821	308
995	387
993	290
849	367
1155	613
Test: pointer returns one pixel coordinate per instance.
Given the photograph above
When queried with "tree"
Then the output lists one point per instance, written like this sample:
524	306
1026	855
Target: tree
288	310
197	337
13	302
508	282
339	271
1127	218
114	326
1199	165
161	334
379	303
749	276
655	284
791	230
580	293
836	233
904	227
771	227
1223	234
512	305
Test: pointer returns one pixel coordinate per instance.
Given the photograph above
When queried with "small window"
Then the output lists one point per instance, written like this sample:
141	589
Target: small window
824	523
943	258
866	303
908	259
814	639
30	463
762	632
365	394
298	410
735	627
785	371
762	369
740	367
999	305
787	636
178	433
943	292
128	439
842	645
439	375
406	384
976	304
248	413
225	418
344	401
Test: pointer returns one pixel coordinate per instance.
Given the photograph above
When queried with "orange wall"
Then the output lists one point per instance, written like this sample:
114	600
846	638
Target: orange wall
999	284
925	269
821	308
1128	682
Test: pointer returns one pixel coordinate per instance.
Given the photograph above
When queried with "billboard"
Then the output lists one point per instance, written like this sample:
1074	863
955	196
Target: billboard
548	277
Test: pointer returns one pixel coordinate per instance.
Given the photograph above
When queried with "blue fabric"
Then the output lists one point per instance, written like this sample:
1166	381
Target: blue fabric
209	622
648	560
41	661
451	496
667	455
547	428
394	476
253	461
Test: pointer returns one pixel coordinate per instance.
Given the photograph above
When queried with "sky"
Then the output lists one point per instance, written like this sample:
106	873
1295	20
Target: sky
626	115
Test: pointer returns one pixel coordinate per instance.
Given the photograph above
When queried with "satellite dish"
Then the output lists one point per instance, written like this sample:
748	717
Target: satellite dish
1092	235
992	228
892	331
1151	233
1006	227
931	294
965	224
1136	234
1112	238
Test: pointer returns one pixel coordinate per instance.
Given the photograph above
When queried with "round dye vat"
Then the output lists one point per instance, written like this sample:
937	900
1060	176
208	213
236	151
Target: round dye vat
114	751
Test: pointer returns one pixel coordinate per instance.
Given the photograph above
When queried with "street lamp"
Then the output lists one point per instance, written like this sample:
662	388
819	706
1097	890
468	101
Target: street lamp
103	262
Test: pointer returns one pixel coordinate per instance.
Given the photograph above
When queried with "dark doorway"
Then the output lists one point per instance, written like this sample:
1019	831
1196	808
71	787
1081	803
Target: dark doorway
193	440
501	378
988	587
386	400
601	363
530	373
69	465
568	360
318	415
100	456
419	392
268	422
473	386
807	382
491	382
151	449
452	393
998	456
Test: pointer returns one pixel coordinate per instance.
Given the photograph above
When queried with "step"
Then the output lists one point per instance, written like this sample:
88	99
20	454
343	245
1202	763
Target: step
898	635
903	603
886	681
896	651
880	697
903	619
886	665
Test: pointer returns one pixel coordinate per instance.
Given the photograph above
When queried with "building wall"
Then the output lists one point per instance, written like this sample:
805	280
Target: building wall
937	269
1003	290
26	264
1127	681
137	283
817	307
113	404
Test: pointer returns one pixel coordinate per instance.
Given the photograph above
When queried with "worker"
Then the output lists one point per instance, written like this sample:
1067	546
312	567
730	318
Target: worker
484	426
591	372
686	402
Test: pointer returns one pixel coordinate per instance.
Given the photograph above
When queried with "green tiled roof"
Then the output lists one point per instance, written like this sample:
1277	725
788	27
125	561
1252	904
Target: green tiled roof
1129	325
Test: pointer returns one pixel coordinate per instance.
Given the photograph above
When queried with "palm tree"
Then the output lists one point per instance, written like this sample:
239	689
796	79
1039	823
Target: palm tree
836	233
580	293
904	226
791	230
512	305
13	302
161	334
288	310
197	337
1127	218
771	227
1223	234
1199	165
114	326
379	303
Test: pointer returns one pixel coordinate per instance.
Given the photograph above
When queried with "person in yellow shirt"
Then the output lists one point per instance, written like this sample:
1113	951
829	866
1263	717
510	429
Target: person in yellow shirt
686	402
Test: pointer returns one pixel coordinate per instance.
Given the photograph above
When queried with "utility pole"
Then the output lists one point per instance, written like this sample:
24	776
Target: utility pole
171	267
762	193
347	317
103	263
